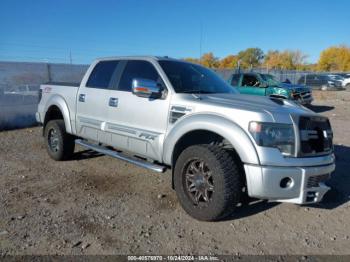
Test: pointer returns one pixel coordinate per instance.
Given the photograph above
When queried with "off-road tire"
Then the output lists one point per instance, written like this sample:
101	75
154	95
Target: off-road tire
65	141
227	181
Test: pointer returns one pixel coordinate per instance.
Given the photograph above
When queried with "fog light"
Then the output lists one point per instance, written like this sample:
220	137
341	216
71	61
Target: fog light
286	182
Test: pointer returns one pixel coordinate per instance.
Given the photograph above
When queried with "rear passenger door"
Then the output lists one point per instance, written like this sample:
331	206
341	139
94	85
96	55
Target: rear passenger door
138	124
93	101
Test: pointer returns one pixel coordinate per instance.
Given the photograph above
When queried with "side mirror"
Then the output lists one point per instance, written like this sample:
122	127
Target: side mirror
146	88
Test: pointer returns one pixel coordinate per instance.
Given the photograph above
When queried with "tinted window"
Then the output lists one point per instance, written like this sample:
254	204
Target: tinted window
250	80
191	78
102	74
235	79
137	69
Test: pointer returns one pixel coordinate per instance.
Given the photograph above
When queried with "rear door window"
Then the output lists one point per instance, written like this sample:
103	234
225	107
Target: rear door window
102	75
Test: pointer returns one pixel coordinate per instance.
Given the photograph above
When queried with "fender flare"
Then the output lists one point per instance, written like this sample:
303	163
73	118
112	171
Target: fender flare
62	105
229	130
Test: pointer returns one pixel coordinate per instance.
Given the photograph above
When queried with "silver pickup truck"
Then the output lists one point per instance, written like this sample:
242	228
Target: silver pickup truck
160	113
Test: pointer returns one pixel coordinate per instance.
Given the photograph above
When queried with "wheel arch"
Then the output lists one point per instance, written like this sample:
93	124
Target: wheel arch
215	125
57	109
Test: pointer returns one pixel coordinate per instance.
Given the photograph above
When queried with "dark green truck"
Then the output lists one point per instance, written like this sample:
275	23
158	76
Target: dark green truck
267	85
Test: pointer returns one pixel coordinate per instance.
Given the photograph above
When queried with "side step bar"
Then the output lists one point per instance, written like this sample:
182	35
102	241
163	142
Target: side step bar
112	153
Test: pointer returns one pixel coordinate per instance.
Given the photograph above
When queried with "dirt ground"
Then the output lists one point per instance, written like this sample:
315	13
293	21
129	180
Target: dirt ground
98	205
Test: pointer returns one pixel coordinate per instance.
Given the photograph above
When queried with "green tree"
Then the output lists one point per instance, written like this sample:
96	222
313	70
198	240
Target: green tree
251	57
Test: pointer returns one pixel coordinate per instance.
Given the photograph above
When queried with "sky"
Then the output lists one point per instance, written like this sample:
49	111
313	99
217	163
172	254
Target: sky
80	31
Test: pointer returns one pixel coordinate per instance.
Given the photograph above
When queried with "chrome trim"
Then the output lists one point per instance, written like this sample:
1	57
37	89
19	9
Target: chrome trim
176	112
145	87
82	98
120	128
132	131
90	121
297	146
113	102
112	153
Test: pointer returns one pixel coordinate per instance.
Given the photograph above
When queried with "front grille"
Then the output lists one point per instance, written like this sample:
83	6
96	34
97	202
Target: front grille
314	181
316	136
305	95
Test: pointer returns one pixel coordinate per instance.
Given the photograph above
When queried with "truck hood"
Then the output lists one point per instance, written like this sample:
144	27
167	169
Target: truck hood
254	103
297	88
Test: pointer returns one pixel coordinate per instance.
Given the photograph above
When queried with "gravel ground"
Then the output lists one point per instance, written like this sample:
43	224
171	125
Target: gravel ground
94	204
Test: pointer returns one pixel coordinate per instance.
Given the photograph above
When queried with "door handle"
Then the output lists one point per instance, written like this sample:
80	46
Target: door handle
82	98
113	102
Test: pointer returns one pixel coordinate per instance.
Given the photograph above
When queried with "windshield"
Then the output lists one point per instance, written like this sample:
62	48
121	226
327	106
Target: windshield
191	78
336	77
270	80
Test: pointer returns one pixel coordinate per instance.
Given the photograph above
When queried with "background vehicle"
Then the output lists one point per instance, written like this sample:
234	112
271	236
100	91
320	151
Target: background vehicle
338	78
344	78
320	82
267	85
24	90
164	113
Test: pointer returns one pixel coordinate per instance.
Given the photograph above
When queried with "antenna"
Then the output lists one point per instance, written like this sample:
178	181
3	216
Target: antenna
200	41
70	56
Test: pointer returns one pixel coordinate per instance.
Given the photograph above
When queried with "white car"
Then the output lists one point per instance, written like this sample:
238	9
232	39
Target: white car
344	79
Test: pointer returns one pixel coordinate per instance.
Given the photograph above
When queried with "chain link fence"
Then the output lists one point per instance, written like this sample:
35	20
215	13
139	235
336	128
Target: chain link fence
19	86
20	82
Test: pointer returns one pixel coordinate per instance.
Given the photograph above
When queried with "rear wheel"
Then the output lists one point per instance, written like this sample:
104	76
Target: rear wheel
59	144
208	182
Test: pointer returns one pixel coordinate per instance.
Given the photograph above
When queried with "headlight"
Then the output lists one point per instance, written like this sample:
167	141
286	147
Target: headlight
279	136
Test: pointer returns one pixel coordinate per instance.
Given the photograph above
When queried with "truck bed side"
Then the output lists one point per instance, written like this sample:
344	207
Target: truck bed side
64	98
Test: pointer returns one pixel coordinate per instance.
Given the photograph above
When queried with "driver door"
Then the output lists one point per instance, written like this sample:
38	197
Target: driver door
251	85
137	124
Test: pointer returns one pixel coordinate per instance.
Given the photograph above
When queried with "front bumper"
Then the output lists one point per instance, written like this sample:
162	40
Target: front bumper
307	183
304	99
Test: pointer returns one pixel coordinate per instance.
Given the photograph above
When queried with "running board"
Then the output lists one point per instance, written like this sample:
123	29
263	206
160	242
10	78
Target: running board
112	153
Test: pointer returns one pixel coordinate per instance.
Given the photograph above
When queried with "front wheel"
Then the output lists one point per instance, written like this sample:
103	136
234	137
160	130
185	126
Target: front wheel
59	144
208	182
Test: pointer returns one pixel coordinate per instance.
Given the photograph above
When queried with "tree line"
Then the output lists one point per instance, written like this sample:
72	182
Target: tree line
335	58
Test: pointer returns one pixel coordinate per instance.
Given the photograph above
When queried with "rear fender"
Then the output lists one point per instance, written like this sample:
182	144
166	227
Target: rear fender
59	101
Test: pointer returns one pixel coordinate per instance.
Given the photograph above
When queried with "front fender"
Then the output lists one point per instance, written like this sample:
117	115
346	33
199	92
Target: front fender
214	123
59	101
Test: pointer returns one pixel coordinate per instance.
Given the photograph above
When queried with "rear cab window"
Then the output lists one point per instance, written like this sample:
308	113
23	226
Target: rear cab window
102	75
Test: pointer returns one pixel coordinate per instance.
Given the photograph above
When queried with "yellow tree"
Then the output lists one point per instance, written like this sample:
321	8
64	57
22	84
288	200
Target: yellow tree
335	58
192	60
228	62
287	59
209	60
